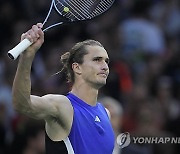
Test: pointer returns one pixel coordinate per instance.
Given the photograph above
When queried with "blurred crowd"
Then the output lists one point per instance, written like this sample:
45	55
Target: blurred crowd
142	93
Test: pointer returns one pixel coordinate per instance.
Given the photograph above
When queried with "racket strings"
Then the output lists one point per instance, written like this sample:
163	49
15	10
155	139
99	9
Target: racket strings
79	9
85	7
74	10
60	8
82	9
102	7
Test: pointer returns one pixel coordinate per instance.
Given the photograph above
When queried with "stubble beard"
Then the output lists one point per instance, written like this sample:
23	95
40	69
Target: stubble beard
98	84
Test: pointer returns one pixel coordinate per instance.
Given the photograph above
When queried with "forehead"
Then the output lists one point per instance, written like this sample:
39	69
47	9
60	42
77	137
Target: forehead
96	51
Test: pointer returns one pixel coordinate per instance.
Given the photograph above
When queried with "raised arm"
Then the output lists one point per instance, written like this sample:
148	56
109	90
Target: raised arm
56	110
34	106
22	83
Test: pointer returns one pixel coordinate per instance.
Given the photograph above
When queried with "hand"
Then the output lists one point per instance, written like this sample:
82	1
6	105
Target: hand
36	36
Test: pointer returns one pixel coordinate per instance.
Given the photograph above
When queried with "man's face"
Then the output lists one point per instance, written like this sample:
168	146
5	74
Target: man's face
95	70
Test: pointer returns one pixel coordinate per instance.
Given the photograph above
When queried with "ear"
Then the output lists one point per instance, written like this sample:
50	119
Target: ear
76	68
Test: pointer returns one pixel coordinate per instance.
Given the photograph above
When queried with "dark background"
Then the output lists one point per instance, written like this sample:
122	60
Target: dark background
142	39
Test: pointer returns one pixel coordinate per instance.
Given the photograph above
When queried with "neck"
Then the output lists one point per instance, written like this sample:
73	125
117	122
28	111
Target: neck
86	93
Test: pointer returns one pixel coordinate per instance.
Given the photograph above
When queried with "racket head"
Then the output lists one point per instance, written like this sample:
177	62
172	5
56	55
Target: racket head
78	10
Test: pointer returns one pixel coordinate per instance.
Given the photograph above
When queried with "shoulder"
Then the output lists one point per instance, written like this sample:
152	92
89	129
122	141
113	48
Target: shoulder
60	99
61	102
55	97
59	125
105	109
108	113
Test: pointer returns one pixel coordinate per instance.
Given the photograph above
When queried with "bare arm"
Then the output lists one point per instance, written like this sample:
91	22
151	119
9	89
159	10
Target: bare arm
22	83
56	110
34	106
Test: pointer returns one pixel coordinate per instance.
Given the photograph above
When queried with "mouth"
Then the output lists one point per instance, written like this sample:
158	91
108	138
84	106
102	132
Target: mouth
103	75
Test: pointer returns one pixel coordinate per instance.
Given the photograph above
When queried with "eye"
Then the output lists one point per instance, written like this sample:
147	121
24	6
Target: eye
98	59
107	61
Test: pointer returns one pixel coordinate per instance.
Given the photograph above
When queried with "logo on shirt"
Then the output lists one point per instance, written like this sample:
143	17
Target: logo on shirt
97	119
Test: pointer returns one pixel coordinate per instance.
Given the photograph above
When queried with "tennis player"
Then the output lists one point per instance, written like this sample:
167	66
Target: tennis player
77	119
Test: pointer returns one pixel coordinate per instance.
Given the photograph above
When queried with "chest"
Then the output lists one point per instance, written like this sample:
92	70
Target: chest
93	123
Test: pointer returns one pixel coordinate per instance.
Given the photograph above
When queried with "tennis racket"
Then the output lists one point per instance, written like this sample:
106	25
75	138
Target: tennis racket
70	11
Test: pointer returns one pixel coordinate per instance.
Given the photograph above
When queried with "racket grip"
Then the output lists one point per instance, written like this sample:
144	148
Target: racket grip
18	49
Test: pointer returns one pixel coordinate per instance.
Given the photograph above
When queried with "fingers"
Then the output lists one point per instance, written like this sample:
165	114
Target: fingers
40	25
34	34
41	33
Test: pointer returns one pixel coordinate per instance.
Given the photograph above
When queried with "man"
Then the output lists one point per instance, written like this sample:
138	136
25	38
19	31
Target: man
77	119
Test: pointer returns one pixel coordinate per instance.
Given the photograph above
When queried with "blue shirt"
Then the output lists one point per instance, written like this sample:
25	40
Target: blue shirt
91	131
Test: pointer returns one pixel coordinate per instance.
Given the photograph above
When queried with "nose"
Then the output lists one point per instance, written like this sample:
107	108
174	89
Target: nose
105	66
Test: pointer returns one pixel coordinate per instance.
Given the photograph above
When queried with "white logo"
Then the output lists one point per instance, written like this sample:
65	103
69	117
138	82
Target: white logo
123	139
97	119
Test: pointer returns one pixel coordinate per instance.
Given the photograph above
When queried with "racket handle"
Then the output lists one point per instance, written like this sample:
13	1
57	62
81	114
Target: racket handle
18	49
